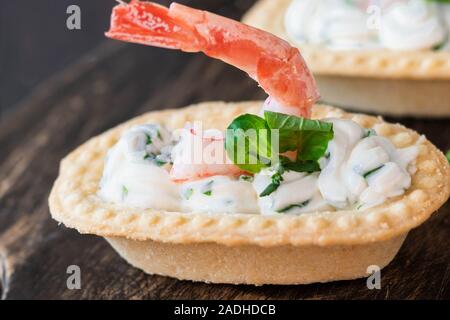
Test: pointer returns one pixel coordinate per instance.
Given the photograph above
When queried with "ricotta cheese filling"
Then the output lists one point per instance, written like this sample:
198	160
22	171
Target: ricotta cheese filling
363	24
359	170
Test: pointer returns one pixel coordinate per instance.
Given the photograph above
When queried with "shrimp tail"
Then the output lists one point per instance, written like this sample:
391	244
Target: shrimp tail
272	62
151	24
274	73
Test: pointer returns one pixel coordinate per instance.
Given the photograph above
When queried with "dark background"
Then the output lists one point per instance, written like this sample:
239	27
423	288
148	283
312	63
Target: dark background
35	42
58	88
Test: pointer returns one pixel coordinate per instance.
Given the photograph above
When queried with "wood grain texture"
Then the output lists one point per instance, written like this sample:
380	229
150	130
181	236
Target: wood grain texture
111	85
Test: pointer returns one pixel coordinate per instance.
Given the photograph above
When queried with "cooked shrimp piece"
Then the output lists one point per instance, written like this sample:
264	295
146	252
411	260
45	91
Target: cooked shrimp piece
201	154
278	67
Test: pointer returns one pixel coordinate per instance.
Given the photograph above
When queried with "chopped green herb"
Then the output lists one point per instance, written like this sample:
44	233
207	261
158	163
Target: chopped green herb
270	188
150	156
372	171
448	156
207	189
276	178
149	139
160	163
359	206
292	206
158	134
370	132
228	202
438	47
124	191
245	177
442	44
154	158
287	165
188	193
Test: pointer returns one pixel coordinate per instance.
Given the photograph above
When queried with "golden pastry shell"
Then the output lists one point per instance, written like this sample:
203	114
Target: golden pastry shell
74	201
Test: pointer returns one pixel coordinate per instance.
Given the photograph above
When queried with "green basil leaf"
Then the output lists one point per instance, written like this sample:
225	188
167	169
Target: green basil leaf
245	131
299	165
276	120
309	137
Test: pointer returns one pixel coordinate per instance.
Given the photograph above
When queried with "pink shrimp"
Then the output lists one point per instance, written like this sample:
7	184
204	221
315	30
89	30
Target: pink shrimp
201	154
278	67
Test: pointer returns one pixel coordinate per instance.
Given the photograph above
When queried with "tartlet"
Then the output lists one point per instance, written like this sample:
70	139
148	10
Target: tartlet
408	83
120	184
231	248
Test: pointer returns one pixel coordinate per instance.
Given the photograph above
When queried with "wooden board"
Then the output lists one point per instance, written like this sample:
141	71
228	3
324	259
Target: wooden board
113	84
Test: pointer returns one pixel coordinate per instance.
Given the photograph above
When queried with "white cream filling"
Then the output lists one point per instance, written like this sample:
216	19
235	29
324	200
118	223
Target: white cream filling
131	175
298	193
363	171
359	170
343	24
414	25
219	194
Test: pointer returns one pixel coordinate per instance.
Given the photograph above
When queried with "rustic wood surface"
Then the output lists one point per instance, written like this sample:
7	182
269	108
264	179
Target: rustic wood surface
111	85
